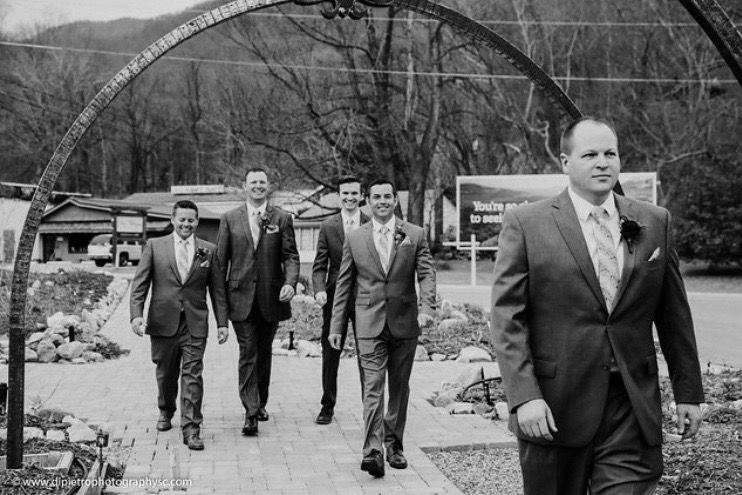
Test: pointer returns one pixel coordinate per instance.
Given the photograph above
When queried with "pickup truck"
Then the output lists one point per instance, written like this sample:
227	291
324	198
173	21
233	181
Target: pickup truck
101	252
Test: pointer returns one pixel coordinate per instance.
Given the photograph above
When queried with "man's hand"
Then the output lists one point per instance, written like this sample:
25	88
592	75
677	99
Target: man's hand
334	339
287	292
222	334
137	325
689	419
321	298
535	419
424	319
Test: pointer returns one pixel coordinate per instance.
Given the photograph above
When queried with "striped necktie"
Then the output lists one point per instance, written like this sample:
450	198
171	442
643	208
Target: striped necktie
608	275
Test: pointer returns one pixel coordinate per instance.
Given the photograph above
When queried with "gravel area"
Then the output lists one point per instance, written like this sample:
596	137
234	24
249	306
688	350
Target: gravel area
485	472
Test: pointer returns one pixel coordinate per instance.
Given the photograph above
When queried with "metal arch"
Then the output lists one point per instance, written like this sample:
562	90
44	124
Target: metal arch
720	29
126	75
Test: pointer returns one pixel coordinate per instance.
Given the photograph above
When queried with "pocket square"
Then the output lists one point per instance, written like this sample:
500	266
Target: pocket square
271	229
405	242
655	255
205	264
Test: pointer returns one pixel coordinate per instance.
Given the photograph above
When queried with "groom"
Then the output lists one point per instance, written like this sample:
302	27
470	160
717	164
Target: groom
579	280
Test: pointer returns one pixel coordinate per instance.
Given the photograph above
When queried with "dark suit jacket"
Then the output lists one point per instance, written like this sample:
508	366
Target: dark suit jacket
255	274
157	269
553	333
384	298
329	252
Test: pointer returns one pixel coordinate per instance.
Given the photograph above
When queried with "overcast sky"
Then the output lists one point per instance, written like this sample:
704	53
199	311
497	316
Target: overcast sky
16	15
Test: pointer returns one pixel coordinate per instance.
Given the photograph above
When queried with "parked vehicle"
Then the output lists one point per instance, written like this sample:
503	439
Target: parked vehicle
100	250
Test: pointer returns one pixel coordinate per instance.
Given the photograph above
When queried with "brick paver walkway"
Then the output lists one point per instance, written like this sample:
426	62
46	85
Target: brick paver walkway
291	455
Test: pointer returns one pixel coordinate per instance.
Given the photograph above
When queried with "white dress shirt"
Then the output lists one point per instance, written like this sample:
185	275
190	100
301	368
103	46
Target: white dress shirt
190	245
356	218
389	235
583	209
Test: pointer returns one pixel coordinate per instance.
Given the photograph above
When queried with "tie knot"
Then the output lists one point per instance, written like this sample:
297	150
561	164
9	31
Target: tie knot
598	212
383	230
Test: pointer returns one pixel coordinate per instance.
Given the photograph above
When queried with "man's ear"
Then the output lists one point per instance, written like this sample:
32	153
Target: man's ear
563	160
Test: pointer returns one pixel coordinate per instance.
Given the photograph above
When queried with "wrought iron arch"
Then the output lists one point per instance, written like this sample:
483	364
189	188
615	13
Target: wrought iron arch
707	12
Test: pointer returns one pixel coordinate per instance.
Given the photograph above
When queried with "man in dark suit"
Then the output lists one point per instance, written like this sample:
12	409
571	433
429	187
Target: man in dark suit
178	268
381	261
257	249
579	281
332	233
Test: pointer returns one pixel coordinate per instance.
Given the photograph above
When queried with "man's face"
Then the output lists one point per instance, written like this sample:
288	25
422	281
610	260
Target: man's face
382	201
185	221
350	196
592	163
256	187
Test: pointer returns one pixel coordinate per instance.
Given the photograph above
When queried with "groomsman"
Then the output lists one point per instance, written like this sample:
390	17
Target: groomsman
381	261
332	234
258	253
178	268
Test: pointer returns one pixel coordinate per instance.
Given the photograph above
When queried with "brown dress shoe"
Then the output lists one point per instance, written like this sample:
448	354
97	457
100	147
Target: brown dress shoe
163	422
324	417
193	441
251	426
373	464
396	458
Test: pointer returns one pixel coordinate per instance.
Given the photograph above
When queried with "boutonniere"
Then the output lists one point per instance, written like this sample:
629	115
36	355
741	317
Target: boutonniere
399	235
266	225
202	254
630	231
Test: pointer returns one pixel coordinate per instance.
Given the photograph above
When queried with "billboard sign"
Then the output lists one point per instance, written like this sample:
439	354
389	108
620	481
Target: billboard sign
481	200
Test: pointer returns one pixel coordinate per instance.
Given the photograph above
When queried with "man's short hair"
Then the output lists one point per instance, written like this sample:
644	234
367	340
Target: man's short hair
186	204
256	169
379	182
348	179
565	143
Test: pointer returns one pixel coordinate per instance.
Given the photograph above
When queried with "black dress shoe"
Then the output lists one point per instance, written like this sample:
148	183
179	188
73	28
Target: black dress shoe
251	426
373	464
193	441
163	422
324	417
263	414
396	459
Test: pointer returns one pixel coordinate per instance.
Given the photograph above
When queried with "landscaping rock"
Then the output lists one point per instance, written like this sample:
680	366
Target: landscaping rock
421	354
36	285
459	315
80	432
450	324
437	356
276	344
304	348
48	283
280	351
483	409
56	435
46	351
85	332
35	338
31	292
447	397
447	307
31	356
57	339
70	350
460	408
30	432
78	360
56	320
503	412
94	357
63	331
737	404
491	370
473	354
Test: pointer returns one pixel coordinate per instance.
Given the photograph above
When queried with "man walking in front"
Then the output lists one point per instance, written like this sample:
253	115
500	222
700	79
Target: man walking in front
178	268
381	261
257	249
325	269
579	281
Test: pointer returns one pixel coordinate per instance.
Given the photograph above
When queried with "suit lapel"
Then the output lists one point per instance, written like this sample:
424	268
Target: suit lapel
170	251
625	208
397	225
197	243
245	217
569	227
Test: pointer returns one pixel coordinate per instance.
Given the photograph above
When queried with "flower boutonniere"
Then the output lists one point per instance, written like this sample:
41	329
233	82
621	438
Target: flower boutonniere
202	254
266	225
399	235
630	231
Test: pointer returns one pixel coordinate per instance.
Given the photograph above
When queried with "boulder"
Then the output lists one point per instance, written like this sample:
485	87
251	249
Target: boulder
78	360
70	350
55	320
94	357
63	331
80	432
473	354
31	356
88	346
56	435
35	338
472	374
737	404
459	315
437	356
503	412
57	339
85	332
30	432
46	351
451	324
421	354
304	348
49	283
101	340
70	321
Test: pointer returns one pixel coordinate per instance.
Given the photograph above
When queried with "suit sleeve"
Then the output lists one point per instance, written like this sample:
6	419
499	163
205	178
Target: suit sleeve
344	288
321	261
425	275
675	330
223	246
509	310
140	283
289	254
218	291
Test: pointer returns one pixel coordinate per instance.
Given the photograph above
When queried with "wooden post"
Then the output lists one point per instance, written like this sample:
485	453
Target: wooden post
473	274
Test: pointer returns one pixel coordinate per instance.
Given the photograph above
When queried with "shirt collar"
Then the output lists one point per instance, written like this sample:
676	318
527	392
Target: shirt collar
356	217
389	224
584	207
260	209
189	242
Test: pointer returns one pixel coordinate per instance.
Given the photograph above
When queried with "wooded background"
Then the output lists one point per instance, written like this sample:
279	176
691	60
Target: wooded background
395	95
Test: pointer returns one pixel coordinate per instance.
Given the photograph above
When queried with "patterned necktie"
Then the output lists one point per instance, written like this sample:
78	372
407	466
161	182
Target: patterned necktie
348	226
608	275
384	247
184	264
255	226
